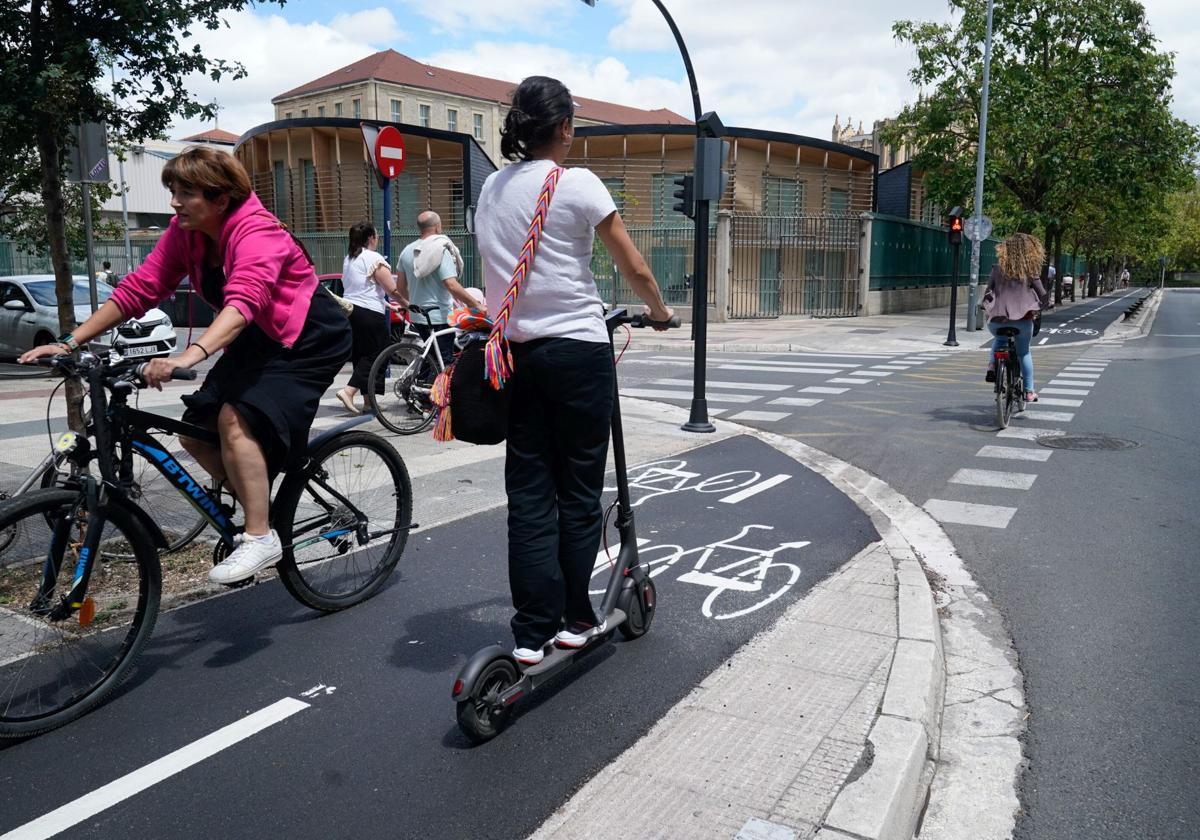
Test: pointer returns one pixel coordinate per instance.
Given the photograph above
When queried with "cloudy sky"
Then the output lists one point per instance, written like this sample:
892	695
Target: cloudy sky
788	65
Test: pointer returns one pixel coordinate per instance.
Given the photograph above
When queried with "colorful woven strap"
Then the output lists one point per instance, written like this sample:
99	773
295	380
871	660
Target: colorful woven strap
497	359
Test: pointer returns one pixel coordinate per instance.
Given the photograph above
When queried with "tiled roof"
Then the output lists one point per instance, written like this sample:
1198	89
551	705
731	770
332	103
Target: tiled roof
213	135
391	66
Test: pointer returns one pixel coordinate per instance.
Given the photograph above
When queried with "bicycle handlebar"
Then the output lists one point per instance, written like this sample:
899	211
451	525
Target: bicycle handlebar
640	321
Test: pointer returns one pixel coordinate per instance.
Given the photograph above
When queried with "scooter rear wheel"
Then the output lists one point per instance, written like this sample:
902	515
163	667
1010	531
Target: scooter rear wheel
640	607
480	716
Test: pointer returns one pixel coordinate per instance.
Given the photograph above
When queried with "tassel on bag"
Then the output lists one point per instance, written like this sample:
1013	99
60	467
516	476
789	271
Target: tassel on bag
498	363
439	395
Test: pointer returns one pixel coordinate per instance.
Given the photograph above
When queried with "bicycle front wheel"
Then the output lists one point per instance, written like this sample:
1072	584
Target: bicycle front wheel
401	398
58	663
344	521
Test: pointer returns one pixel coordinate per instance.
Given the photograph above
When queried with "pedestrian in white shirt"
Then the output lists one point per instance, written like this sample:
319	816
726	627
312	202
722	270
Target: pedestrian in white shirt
367	282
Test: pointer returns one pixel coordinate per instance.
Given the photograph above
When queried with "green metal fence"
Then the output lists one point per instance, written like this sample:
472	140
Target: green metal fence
913	255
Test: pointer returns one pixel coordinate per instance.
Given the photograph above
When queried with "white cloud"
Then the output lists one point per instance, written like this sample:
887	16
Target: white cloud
459	16
279	55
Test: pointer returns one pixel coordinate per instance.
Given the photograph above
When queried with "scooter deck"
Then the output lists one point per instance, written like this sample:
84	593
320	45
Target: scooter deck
558	657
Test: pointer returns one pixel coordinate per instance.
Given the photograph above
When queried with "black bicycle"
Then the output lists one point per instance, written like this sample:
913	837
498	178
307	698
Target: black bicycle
1010	385
80	585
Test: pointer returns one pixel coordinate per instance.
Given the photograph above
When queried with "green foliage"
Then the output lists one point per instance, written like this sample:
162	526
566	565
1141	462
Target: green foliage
1180	229
1081	140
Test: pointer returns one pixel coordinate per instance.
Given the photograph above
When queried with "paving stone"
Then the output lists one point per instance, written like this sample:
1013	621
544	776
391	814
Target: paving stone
829	650
808	797
839	609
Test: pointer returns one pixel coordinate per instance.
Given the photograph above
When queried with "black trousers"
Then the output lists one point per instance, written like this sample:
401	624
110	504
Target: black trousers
370	331
445	344
558	435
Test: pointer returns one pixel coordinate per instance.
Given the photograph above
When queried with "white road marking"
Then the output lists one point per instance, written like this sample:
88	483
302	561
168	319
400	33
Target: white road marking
749	386
1048	416
602	558
811	356
766	369
994	478
1043	341
849	380
1042	400
1071	383
805	401
761	416
1028	432
873	373
657	394
1078	374
101	799
1014	453
892	367
1066	392
966	513
818	389
754	489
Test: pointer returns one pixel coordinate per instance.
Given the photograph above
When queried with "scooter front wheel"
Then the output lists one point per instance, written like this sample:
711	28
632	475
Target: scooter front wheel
640	606
481	716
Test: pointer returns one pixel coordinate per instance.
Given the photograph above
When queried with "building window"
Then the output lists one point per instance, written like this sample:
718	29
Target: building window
397	110
839	201
424	119
320	110
356	107
337	109
616	188
451	119
478	126
782	196
287	115
303	113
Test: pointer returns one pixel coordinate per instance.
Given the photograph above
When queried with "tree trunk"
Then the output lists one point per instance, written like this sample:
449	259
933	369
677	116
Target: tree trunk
1058	272
50	154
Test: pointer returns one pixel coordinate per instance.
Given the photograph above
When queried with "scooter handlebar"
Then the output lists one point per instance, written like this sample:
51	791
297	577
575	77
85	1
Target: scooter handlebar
645	321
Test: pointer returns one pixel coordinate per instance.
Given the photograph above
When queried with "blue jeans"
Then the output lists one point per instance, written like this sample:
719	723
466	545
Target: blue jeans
1022	340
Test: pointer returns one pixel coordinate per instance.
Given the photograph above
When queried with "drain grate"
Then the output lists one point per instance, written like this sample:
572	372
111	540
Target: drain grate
1087	443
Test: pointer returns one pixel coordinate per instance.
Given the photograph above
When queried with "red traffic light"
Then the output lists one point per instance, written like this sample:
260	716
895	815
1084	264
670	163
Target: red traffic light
956	224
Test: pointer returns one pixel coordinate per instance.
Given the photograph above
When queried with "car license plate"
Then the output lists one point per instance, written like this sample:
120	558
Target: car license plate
144	350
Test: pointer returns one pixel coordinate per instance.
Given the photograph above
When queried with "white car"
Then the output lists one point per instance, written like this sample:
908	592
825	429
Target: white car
29	317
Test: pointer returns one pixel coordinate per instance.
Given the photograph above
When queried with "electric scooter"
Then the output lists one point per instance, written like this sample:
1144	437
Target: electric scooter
492	681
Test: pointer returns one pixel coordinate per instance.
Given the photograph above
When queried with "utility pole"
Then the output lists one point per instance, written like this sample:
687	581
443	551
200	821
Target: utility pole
973	290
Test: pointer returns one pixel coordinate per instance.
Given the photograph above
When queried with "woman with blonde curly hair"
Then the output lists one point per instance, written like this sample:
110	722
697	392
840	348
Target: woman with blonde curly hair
1013	298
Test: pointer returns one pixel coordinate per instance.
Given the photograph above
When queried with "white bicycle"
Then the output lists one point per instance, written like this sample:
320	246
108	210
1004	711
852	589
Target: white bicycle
402	376
740	584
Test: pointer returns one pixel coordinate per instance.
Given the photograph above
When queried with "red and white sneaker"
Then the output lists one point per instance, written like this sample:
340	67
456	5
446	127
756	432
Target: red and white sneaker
579	633
529	656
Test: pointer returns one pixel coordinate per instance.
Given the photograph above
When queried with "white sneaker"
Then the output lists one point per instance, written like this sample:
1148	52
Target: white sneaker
252	555
577	634
529	656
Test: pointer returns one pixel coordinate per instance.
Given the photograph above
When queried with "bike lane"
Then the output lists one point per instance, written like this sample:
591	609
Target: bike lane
367	744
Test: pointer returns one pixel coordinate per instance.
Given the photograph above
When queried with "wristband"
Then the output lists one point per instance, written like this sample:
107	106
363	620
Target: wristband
69	342
202	350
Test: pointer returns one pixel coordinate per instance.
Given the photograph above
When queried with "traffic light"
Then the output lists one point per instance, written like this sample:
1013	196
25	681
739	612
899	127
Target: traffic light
685	197
955	233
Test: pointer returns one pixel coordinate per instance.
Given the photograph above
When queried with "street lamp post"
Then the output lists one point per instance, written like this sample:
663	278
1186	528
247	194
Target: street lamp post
698	416
973	289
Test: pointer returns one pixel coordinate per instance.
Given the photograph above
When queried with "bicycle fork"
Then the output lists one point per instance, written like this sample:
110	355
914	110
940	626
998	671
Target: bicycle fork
59	542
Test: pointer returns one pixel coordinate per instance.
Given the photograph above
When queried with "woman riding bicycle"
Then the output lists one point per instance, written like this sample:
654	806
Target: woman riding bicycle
284	337
1013	297
562	390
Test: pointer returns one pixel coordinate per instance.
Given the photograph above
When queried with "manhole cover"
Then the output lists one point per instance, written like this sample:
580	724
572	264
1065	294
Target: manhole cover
1086	443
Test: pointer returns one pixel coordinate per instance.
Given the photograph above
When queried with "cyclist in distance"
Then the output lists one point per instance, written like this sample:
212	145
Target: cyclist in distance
1013	297
284	337
563	376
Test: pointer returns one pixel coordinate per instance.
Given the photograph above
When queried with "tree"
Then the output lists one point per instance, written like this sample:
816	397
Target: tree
1180	240
1079	113
54	54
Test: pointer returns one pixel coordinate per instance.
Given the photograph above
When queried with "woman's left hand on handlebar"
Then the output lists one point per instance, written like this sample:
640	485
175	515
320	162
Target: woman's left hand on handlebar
664	315
42	350
158	371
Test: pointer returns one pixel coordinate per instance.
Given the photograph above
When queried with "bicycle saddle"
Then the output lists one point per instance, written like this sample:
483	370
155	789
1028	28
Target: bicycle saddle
1007	331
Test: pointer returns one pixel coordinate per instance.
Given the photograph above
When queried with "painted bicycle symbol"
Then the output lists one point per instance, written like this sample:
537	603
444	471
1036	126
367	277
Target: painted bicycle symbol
742	578
663	478
1070	330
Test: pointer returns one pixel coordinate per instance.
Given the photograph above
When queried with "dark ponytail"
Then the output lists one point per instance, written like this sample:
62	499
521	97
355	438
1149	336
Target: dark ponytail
539	106
360	235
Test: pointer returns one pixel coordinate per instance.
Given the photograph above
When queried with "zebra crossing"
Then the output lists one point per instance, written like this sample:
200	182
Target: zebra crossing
838	373
1017	444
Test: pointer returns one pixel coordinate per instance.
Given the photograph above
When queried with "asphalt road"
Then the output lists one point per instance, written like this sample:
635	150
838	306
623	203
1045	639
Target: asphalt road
1090	555
376	751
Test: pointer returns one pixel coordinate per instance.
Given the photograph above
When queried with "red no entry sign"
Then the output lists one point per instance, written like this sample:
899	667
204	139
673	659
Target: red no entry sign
389	152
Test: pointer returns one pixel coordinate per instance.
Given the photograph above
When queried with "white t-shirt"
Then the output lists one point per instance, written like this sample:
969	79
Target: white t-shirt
357	285
559	298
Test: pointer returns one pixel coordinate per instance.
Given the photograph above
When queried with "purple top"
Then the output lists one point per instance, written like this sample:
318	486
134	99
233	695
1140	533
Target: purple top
1013	299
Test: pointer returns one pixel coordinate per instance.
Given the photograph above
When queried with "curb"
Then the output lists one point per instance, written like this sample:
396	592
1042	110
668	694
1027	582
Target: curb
886	802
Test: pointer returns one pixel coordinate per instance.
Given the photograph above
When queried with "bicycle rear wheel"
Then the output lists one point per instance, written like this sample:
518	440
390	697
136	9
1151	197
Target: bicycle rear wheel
344	521
403	406
55	667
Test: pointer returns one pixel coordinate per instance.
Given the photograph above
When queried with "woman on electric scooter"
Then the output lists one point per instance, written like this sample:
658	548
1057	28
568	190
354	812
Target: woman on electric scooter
1013	297
563	377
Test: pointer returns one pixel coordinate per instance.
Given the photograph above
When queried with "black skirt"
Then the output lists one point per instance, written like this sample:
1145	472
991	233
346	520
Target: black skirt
277	389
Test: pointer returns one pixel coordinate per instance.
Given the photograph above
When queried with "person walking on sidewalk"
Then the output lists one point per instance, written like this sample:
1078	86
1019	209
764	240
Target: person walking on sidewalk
563	377
284	337
366	282
1014	295
427	273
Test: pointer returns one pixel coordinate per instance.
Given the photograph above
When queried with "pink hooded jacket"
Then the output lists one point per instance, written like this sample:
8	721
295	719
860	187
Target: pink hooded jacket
268	278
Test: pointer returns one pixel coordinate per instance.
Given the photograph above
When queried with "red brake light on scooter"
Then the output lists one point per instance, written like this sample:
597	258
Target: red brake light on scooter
458	687
1002	354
